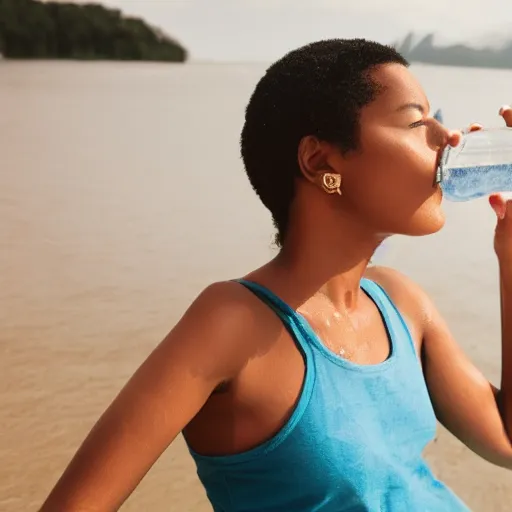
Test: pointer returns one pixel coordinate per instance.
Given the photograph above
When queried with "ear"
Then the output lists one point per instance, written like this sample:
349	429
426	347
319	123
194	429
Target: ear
313	158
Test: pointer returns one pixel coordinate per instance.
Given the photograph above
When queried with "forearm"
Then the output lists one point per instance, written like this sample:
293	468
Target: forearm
505	394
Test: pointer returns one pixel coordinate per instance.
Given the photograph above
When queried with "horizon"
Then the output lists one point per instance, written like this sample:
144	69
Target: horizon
230	31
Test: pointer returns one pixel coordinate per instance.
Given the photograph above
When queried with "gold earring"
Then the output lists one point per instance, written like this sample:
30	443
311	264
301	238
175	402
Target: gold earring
331	183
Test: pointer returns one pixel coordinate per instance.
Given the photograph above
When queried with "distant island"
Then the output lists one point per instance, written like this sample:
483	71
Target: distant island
30	29
426	51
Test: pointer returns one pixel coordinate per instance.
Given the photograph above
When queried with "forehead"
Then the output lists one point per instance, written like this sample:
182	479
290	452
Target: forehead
400	86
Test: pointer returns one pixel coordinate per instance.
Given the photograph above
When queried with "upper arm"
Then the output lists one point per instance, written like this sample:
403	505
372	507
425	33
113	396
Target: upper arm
463	399
159	400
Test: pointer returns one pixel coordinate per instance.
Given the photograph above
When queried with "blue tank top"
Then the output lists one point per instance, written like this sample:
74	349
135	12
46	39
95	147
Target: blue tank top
354	441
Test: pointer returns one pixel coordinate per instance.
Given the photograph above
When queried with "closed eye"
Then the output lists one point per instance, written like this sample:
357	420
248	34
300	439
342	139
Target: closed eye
417	124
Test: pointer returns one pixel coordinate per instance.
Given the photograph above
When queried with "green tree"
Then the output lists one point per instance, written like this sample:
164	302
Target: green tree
32	29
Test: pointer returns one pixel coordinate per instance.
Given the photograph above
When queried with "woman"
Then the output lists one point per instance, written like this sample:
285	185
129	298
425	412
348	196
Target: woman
314	383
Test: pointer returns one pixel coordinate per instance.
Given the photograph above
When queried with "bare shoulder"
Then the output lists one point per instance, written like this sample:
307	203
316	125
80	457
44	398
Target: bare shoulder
226	317
407	295
225	302
210	345
394	281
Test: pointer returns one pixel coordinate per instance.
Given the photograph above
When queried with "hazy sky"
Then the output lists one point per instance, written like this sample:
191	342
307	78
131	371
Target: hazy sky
263	30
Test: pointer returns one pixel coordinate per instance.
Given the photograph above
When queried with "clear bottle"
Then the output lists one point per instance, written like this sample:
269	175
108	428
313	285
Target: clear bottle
480	165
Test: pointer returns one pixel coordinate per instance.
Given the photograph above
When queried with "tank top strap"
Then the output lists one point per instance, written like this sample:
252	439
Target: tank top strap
286	314
395	322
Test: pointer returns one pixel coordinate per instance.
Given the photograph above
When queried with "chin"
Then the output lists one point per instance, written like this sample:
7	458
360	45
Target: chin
428	223
430	217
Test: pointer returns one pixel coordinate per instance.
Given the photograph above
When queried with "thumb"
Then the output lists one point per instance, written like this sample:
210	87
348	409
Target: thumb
499	205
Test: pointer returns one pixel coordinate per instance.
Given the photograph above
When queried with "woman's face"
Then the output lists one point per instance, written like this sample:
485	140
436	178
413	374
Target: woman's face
388	182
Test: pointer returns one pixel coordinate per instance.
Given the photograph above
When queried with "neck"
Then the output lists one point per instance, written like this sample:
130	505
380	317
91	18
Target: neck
327	259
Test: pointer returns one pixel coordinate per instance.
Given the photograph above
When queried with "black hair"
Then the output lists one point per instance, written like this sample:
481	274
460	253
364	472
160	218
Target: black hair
319	90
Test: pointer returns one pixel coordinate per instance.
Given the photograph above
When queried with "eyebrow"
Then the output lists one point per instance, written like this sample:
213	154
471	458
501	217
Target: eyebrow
415	106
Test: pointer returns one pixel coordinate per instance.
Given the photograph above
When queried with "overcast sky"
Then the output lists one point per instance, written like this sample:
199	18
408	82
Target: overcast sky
262	30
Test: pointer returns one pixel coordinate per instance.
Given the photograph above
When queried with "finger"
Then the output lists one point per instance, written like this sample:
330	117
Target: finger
454	137
499	205
508	209
506	113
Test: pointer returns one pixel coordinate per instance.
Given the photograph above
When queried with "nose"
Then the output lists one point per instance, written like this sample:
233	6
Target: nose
439	136
453	137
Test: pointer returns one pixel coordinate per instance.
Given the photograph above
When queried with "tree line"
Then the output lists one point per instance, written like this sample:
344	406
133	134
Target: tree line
30	29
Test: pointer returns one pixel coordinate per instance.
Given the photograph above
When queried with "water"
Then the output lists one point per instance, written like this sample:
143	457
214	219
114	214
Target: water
466	183
122	195
480	165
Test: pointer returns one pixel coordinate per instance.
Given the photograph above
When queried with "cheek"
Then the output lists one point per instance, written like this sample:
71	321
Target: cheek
395	164
394	180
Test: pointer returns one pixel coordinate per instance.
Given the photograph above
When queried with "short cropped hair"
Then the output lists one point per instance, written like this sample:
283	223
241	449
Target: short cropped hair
317	90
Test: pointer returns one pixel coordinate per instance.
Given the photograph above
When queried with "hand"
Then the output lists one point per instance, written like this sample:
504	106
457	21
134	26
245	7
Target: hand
503	210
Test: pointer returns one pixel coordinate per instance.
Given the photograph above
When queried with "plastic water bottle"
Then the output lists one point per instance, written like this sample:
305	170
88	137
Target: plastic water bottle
480	165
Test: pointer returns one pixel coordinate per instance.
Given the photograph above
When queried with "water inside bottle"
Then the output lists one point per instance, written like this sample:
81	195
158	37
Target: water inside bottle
480	165
466	183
